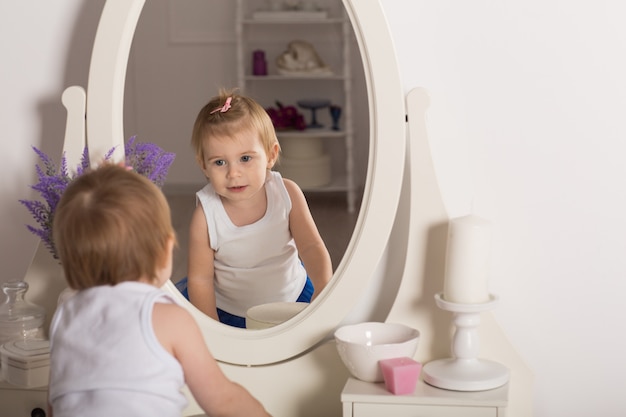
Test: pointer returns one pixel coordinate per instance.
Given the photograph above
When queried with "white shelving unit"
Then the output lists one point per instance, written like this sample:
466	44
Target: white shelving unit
330	35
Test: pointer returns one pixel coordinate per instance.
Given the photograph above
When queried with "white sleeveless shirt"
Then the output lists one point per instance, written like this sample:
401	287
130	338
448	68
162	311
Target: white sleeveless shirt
105	359
256	263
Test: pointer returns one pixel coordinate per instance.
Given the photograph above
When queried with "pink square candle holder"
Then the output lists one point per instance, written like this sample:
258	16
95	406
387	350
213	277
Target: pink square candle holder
400	374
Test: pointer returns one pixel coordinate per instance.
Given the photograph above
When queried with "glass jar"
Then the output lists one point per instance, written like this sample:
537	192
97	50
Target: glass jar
19	319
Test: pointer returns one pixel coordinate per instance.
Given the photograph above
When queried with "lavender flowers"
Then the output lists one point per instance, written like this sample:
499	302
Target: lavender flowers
146	159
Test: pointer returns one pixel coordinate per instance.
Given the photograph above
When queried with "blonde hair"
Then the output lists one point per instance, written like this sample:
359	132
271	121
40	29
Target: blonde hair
243	113
111	225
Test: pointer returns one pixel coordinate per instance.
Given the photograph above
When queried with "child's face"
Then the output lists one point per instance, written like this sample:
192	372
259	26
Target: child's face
237	166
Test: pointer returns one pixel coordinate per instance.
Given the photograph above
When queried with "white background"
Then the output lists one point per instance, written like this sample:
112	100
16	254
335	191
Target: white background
527	128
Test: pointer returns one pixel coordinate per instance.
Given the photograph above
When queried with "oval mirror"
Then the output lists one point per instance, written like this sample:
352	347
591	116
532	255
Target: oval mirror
105	104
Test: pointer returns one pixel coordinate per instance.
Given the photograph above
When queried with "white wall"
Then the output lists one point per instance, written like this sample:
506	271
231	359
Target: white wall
525	121
41	56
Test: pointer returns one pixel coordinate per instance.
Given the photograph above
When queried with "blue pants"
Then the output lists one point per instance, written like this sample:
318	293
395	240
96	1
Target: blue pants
238	321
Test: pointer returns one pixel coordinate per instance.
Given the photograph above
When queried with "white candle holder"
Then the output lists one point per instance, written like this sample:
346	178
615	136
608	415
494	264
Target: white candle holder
465	371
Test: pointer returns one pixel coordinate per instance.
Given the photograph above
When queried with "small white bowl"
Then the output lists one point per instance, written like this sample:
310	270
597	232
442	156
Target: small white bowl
362	345
269	315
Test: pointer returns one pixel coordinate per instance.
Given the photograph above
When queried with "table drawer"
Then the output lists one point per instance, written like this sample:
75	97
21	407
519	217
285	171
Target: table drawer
21	402
412	410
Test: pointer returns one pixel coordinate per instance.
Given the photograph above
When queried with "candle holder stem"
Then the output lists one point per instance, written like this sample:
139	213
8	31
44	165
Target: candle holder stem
465	371
466	342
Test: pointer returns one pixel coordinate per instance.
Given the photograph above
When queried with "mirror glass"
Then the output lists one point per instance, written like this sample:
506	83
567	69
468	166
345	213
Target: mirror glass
183	52
385	165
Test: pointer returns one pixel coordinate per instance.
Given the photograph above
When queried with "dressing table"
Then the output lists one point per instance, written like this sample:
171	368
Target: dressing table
22	402
367	399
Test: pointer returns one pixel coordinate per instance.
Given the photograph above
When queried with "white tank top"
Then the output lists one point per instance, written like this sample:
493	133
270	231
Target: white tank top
256	263
105	359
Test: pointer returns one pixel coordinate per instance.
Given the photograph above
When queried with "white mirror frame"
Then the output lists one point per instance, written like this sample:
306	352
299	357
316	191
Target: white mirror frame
105	101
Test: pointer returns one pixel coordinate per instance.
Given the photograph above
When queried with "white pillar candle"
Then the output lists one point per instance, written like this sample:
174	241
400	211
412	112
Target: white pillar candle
467	260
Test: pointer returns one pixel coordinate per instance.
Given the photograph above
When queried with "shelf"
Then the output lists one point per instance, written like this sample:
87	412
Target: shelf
280	78
295	21
311	133
337	184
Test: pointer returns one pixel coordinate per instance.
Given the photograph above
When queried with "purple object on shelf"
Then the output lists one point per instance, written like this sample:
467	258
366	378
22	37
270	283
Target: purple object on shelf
259	65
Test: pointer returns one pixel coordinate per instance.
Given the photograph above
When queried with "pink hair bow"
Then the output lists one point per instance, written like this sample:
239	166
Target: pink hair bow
225	107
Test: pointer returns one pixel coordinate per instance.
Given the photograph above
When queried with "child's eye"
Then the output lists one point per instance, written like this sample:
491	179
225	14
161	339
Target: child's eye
246	158
220	162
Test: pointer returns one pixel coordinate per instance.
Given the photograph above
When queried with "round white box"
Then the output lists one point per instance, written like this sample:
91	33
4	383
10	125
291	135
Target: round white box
307	173
301	147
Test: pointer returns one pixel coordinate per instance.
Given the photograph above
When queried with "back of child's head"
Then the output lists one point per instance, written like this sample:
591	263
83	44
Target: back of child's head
227	114
111	225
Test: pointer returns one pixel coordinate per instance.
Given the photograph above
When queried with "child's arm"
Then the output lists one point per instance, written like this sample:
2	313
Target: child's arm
200	266
311	247
218	396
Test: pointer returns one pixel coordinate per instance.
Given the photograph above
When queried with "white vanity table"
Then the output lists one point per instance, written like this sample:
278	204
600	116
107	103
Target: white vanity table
367	399
22	402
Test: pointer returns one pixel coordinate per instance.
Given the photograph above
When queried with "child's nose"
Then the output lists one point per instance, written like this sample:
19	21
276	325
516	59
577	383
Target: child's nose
233	170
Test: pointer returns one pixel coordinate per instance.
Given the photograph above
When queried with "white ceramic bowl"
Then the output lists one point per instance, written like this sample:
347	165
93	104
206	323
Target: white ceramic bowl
362	345
269	315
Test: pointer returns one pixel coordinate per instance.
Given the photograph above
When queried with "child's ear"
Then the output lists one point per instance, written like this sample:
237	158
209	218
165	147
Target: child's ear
169	247
273	155
200	161
202	165
172	243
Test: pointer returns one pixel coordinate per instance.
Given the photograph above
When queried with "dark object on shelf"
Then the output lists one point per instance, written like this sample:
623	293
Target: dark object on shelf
286	117
259	64
335	114
314	105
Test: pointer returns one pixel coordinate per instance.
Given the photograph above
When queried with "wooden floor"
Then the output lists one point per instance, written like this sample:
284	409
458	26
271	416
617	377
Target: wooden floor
329	211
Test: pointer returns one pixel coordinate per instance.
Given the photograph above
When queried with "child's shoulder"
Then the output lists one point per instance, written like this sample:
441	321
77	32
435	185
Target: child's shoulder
171	308
292	188
172	316
290	183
